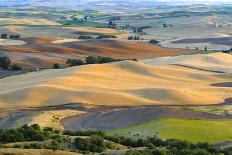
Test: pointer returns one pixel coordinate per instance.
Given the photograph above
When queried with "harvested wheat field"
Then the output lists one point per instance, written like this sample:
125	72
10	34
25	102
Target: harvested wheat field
128	83
27	21
44	52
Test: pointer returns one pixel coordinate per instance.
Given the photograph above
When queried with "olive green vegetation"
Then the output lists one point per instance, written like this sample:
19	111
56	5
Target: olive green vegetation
211	131
89	142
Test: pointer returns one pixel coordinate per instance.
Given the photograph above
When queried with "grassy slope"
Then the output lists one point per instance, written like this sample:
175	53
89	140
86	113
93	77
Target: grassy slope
211	131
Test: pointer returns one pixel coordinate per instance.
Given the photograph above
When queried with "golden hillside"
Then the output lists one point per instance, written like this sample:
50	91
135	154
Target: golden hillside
123	83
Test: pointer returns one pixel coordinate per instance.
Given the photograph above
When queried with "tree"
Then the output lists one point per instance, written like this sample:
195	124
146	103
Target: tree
5	62
130	38
103	60
82	144
4	36
91	60
56	66
16	67
153	41
102	36
74	62
85	37
97	143
200	152
14	36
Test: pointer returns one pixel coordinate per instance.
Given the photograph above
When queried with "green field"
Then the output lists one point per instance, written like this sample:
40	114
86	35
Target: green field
211	131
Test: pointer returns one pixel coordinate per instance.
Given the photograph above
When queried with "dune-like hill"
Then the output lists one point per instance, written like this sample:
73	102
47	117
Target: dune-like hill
43	52
126	83
217	62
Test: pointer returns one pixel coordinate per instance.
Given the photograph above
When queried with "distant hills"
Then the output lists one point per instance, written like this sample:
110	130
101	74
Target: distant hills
105	4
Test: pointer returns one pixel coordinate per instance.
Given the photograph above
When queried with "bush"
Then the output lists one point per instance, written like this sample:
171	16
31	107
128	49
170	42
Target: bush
5	62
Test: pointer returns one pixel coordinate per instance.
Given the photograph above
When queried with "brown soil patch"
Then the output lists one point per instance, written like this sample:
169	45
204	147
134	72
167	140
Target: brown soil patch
41	52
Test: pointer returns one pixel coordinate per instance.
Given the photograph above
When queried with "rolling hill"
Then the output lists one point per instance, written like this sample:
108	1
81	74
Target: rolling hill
44	52
125	83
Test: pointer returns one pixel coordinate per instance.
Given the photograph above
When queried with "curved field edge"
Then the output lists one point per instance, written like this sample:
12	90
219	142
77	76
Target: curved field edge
196	131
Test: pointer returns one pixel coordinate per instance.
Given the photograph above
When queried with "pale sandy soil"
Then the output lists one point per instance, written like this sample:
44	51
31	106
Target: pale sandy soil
217	62
93	30
124	83
64	40
28	21
7	42
49	118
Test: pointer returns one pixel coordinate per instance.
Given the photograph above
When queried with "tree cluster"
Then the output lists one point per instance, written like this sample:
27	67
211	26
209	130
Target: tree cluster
5	36
157	146
85	37
103	36
93	144
90	60
153	41
25	133
6	63
134	38
97	141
